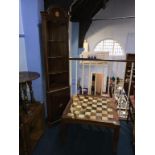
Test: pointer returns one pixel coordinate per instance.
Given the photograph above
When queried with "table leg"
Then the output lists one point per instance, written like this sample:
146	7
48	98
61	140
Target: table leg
25	100
31	91
63	132
116	138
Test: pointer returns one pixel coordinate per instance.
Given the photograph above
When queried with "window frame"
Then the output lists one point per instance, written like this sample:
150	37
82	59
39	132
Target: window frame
113	53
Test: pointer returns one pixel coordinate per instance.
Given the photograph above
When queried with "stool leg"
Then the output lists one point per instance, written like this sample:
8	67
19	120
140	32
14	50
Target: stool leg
31	91
116	138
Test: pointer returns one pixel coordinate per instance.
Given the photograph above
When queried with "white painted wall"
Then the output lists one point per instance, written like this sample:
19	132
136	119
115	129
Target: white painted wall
118	30
123	30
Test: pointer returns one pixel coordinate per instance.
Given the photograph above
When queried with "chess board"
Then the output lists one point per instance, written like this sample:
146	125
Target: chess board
93	108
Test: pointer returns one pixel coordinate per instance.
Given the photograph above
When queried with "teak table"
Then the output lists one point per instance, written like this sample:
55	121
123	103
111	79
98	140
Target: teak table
92	110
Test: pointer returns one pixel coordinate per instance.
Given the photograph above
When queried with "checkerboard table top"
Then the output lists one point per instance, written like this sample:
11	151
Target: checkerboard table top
92	108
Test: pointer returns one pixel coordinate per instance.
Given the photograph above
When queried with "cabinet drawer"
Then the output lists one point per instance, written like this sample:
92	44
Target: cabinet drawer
57	102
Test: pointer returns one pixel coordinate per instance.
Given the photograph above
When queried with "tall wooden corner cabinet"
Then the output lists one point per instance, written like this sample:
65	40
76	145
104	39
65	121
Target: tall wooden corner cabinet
56	62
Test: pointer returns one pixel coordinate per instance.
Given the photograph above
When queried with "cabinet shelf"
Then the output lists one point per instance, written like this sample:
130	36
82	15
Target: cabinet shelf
58	72
56	57
55	41
58	88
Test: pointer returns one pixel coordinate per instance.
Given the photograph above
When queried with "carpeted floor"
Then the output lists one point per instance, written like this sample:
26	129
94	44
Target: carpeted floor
84	140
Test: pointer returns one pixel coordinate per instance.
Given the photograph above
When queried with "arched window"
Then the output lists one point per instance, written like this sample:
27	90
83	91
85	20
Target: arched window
110	46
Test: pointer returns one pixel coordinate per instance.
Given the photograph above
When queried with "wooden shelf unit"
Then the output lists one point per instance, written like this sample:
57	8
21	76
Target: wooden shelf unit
56	61
127	75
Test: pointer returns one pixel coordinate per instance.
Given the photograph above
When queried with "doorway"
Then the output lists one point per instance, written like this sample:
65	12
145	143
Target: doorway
97	83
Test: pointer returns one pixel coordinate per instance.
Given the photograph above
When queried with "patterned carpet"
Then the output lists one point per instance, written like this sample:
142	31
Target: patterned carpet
85	140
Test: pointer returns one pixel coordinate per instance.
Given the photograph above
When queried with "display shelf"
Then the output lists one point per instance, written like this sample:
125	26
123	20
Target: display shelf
56	57
56	54
58	72
122	103
56	41
58	88
130	57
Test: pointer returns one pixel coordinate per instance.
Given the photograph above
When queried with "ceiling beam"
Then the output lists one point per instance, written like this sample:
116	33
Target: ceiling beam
81	11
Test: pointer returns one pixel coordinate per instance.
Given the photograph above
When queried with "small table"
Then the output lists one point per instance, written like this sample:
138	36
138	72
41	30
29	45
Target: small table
25	83
27	76
93	110
25	79
31	114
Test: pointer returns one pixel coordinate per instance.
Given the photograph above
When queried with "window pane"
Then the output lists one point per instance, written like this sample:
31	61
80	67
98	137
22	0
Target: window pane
110	46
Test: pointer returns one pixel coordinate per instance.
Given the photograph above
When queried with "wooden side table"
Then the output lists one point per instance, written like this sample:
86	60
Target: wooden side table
31	114
108	109
25	83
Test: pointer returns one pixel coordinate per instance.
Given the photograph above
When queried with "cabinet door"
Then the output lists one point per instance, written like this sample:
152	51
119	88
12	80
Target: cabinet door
57	102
